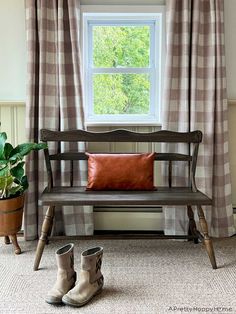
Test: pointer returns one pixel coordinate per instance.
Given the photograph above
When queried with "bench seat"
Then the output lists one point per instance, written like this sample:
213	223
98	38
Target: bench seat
162	196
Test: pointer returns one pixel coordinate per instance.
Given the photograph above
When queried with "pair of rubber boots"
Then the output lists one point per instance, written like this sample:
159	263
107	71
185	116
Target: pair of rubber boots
90	283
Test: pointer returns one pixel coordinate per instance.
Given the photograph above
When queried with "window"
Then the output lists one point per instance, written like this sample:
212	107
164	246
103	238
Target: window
123	59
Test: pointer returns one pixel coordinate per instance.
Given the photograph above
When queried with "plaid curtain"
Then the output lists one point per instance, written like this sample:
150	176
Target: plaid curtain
54	101
195	98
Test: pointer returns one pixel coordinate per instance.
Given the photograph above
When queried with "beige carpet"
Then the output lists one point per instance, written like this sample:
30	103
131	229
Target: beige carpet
141	276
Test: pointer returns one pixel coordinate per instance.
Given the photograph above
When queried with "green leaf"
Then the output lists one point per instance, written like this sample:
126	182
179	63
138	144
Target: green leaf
5	184
18	170
14	190
8	180
3	162
4	172
7	150
3	138
24	183
24	149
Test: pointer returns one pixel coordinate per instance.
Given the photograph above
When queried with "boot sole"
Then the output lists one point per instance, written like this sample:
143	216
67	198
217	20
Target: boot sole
68	302
59	301
54	302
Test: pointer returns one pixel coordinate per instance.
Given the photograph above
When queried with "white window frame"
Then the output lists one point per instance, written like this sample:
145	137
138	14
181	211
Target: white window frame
124	15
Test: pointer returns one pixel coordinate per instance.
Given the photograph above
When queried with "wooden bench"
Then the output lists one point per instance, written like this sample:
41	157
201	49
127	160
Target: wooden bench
169	195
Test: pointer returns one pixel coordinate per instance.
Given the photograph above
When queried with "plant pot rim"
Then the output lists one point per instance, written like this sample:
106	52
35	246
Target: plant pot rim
12	197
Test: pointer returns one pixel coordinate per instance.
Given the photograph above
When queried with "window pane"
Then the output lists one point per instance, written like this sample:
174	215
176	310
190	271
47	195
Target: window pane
121	46
121	93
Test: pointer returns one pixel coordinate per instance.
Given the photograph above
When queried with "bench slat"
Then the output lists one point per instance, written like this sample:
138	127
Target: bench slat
163	196
83	156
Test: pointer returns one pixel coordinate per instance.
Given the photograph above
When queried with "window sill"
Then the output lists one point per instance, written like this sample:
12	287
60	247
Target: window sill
119	123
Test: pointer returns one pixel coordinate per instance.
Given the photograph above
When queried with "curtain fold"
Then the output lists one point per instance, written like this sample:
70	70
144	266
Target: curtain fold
54	101
195	98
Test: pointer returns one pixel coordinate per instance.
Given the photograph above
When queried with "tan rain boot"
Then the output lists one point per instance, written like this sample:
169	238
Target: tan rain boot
90	279
66	276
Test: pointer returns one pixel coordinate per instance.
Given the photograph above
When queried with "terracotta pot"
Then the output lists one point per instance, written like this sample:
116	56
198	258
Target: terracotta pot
11	211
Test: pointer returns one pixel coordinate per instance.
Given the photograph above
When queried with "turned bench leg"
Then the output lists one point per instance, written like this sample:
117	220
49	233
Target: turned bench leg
14	241
50	228
192	224
47	223
207	240
6	240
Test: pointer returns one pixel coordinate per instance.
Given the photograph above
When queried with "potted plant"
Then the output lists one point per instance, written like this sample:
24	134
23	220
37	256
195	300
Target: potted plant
13	183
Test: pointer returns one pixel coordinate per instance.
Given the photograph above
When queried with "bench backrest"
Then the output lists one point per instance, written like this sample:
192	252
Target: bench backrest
162	136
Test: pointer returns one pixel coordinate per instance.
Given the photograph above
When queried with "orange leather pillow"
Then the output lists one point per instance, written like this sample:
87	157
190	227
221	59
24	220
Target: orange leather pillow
120	171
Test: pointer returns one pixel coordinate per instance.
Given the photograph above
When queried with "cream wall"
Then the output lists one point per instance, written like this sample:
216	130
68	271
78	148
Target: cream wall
12	50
